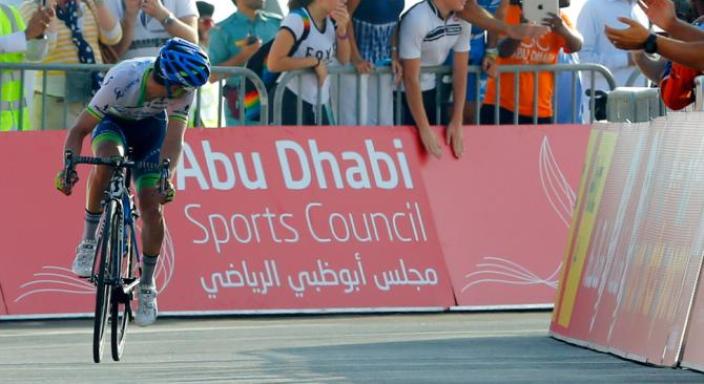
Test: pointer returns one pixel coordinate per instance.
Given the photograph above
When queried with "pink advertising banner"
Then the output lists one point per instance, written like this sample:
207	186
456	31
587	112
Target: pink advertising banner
635	249
265	218
503	210
305	218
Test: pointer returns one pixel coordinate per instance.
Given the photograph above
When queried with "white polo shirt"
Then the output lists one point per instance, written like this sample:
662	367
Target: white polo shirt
425	35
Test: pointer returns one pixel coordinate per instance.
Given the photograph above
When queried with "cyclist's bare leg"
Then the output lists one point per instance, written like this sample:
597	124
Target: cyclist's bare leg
152	236
151	212
99	177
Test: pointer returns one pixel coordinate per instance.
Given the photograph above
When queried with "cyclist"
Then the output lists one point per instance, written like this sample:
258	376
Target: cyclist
143	103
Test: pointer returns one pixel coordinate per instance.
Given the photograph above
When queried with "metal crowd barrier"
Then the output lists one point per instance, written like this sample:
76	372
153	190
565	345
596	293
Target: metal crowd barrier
240	74
699	93
444	71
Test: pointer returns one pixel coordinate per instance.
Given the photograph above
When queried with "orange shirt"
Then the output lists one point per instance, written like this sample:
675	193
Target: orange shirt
543	50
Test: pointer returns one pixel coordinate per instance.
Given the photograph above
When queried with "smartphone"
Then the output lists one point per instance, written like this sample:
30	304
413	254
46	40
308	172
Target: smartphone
535	11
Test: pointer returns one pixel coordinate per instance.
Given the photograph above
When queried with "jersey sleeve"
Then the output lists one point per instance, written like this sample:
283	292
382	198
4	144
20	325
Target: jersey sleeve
462	44
185	8
105	97
294	23
411	34
179	108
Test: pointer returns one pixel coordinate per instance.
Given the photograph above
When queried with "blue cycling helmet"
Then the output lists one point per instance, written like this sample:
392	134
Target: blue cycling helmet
183	63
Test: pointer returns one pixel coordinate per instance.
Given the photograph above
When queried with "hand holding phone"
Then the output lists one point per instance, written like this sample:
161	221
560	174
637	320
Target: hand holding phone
535	11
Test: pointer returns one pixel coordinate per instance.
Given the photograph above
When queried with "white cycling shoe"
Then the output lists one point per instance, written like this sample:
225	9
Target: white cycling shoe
85	253
147	309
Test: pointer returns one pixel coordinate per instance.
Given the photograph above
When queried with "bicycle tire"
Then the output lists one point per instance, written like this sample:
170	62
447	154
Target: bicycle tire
103	288
122	311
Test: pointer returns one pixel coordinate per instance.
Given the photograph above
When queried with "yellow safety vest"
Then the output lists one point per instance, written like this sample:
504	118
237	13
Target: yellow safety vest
12	102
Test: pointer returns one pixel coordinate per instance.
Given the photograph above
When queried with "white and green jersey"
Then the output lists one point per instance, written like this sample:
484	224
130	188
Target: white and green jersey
123	94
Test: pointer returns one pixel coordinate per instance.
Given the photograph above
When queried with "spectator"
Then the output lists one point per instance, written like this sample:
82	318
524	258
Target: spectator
371	31
656	67
428	31
17	45
73	37
594	16
147	24
206	113
530	51
683	47
311	36
235	40
486	17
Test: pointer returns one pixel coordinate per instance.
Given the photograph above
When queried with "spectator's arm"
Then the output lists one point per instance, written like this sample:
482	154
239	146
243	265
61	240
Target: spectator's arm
634	37
685	53
663	14
573	39
129	20
459	85
681	30
492	39
280	61
30	41
185	28
480	17
651	68
355	56
343	46
108	25
414	94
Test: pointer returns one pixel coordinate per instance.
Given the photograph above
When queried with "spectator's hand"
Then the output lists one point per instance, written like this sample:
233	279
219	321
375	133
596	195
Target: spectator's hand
38	23
631	38
132	7
341	16
489	66
555	23
66	189
660	12
430	141
155	9
362	65
397	70
250	49
526	30
454	138
321	71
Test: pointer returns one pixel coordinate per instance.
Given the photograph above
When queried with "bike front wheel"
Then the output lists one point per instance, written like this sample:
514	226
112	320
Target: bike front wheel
121	310
106	245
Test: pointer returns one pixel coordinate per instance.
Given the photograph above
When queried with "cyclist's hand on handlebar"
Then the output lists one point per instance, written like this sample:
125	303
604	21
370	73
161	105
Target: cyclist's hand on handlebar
60	182
169	192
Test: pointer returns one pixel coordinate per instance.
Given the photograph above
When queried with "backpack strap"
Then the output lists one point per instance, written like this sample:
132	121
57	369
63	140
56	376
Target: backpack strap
303	13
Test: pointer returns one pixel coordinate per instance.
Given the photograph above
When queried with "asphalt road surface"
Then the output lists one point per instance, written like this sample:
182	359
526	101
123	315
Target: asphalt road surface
431	348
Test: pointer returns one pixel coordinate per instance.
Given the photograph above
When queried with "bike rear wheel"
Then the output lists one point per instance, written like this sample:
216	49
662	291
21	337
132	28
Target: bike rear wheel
121	310
103	286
